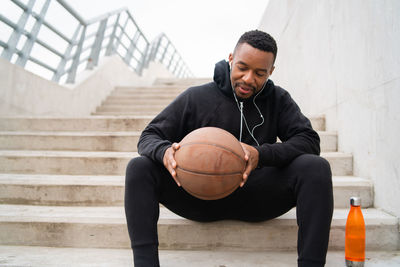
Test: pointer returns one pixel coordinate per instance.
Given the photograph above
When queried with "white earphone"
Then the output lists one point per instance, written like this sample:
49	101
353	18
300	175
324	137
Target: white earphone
240	107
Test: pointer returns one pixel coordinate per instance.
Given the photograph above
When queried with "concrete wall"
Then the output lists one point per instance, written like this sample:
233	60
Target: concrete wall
342	58
26	94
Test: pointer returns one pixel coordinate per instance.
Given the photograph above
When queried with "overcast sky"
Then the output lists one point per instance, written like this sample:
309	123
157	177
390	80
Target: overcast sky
204	31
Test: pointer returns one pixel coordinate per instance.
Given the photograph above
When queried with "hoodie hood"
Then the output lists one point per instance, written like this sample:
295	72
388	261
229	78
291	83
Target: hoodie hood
222	78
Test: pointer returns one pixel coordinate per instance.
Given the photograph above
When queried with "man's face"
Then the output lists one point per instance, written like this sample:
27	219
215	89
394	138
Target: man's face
251	67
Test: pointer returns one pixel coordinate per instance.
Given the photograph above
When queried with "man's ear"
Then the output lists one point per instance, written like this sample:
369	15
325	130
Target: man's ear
272	70
230	58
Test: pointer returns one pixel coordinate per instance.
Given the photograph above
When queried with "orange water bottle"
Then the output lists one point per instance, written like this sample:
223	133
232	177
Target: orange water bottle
355	235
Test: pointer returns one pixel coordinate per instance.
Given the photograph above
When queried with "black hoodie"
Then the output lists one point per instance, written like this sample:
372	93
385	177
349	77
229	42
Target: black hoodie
213	104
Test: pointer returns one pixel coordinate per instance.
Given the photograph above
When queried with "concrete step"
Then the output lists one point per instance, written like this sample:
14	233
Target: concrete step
318	123
328	141
62	190
64	162
97	141
107	163
345	187
341	163
90	123
87	190
181	82
144	95
131	108
85	141
135	101
95	123
24	256
151	89
105	227
125	113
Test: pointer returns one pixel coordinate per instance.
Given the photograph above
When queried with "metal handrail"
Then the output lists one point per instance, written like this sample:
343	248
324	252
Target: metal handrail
133	47
163	51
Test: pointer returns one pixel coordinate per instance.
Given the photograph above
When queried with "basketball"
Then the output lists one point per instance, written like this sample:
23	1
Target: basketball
210	163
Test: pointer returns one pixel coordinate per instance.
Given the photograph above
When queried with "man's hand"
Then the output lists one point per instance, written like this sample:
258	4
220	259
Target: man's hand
169	161
251	157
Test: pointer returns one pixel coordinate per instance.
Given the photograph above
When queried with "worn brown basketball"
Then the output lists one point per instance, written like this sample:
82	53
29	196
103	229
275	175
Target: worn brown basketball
210	163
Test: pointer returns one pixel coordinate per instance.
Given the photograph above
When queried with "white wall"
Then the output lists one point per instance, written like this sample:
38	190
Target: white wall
342	58
26	94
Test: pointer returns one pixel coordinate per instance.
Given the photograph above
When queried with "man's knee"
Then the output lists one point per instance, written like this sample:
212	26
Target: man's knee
137	169
138	164
314	169
314	183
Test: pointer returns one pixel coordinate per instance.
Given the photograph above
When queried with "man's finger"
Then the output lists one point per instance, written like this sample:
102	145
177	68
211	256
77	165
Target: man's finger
246	153
245	176
175	146
172	162
173	174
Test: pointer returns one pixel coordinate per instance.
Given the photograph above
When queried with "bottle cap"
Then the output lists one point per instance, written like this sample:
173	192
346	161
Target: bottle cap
355	201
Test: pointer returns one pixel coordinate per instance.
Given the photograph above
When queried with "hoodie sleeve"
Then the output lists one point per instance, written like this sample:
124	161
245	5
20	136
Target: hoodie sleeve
296	134
166	128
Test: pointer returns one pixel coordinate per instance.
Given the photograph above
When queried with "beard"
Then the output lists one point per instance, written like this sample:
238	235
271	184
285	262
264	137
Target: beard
241	84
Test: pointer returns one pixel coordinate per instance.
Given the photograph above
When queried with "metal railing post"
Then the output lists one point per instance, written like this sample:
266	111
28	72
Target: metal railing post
180	71
16	35
171	60
144	61
94	55
110	47
165	52
156	48
176	67
61	66
75	63
26	50
121	33
151	54
132	46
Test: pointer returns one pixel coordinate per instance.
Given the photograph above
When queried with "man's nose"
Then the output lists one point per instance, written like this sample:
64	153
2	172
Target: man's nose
248	77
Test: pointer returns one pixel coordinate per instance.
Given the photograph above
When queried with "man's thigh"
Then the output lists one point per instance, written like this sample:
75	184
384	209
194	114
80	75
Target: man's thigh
267	194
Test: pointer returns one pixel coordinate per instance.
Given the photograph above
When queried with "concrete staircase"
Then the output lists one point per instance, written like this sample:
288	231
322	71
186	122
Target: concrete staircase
62	186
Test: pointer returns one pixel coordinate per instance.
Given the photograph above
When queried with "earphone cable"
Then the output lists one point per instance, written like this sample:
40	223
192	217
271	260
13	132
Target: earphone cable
243	118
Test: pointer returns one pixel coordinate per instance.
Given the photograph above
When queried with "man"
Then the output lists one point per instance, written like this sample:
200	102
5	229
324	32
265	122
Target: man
278	175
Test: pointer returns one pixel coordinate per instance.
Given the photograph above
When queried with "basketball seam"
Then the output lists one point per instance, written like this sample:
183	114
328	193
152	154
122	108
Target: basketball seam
230	190
210	173
224	148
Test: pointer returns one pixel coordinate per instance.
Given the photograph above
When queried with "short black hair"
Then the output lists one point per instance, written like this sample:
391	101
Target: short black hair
260	40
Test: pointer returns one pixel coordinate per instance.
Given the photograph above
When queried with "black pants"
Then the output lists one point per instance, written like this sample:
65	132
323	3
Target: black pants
268	193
